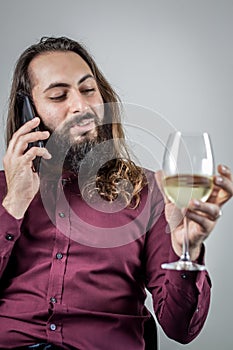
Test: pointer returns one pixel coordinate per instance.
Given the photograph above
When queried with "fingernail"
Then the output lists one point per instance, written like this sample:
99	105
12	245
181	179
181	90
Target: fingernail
219	180
47	155
196	203
226	169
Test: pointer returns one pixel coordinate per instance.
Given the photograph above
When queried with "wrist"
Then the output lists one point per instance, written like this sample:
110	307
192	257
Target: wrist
194	249
195	252
14	207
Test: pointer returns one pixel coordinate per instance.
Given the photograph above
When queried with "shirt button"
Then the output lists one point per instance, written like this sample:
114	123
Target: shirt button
53	327
9	236
59	256
53	300
62	215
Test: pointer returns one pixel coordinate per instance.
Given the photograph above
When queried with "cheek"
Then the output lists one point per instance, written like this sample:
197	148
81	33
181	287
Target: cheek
51	116
99	107
99	111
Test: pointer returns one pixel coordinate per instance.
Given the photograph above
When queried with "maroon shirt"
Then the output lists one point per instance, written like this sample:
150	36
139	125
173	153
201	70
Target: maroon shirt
74	274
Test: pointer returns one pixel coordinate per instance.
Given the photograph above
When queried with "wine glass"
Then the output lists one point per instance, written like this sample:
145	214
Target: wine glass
188	167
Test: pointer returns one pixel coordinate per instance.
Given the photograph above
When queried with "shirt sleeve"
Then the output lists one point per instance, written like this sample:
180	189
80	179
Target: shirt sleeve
9	229
181	298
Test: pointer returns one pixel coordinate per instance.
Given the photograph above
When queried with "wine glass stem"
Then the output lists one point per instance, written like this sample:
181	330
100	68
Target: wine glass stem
185	254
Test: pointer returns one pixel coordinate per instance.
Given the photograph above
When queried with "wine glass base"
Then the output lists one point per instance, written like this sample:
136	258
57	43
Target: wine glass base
183	265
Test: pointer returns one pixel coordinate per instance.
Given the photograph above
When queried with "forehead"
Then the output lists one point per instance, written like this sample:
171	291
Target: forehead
57	66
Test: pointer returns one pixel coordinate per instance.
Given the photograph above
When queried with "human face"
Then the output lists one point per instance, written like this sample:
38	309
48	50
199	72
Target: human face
64	89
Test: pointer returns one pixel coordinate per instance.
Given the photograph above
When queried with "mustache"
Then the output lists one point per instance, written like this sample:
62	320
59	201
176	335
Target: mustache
78	119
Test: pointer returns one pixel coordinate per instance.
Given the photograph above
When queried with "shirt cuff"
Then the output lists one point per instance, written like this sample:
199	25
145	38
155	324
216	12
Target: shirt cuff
9	230
189	283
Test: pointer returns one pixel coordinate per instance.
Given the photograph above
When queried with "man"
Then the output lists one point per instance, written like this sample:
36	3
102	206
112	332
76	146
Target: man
74	266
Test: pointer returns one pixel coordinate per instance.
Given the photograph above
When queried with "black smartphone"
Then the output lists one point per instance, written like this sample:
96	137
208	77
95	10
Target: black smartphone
27	114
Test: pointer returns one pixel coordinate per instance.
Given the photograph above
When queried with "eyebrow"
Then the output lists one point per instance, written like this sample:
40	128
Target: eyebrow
60	84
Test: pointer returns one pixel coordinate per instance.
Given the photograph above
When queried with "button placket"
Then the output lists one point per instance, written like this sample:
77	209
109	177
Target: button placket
54	331
55	289
60	253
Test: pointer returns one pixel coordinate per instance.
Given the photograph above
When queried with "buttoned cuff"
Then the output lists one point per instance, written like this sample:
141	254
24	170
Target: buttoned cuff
189	283
9	231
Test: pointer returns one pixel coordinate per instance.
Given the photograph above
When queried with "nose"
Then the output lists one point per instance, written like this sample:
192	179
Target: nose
78	103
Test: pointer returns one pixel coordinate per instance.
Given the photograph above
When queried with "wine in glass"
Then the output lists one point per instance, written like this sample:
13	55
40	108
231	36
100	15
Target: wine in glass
188	167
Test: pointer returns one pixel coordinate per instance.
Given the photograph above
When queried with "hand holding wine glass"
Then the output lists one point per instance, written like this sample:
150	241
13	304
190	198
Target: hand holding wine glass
188	167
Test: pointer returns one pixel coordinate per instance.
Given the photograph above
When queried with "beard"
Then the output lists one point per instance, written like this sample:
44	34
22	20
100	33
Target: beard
74	148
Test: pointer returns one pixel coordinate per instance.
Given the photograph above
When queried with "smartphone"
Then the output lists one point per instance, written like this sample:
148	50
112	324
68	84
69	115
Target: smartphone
27	114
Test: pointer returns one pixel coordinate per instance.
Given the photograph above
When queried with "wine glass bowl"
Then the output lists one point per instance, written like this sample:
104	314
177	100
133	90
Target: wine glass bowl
188	168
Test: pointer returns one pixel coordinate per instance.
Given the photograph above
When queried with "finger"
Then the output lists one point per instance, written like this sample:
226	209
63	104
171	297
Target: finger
28	126
205	223
226	188
225	171
24	140
208	210
24	129
34	152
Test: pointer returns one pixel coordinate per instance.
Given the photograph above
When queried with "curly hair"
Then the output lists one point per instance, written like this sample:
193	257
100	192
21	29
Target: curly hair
122	168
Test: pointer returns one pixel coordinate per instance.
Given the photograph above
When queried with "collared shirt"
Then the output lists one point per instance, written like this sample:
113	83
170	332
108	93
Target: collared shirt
74	272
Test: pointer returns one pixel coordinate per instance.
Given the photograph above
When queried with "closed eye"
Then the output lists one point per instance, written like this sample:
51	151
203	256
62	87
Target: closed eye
87	91
58	98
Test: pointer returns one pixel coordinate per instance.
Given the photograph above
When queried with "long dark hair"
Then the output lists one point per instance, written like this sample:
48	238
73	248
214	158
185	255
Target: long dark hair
120	168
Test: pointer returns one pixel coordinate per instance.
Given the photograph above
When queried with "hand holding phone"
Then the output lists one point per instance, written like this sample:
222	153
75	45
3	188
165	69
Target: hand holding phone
21	178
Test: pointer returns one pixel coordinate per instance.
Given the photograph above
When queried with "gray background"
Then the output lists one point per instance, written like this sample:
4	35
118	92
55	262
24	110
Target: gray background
170	56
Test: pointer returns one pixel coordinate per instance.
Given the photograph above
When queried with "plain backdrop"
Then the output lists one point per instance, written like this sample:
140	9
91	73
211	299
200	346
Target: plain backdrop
172	60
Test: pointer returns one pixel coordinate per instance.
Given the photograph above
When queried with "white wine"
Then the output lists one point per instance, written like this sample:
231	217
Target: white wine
180	189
